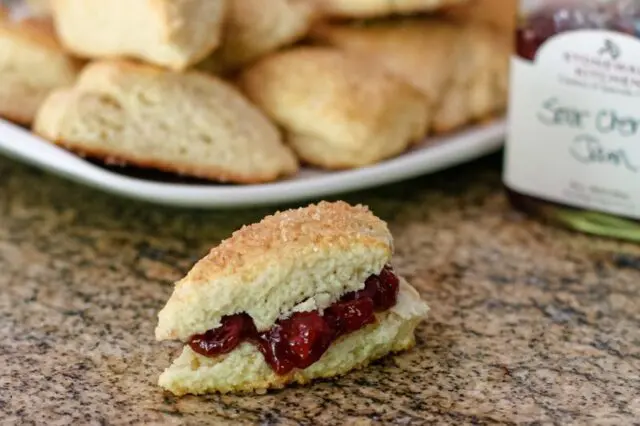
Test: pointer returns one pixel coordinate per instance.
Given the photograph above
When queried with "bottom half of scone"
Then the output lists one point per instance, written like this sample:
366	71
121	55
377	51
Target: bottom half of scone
245	369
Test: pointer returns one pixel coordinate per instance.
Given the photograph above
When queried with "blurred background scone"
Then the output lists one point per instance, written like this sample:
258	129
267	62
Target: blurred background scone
32	64
462	68
254	28
338	109
189	123
479	89
378	8
169	33
41	8
420	51
500	14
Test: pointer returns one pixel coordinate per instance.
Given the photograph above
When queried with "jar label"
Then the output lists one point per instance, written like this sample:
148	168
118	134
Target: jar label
574	122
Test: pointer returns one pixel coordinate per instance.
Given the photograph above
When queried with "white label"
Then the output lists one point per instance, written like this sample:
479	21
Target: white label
574	123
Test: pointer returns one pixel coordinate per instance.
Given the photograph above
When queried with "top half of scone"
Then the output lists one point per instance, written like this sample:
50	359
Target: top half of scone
297	260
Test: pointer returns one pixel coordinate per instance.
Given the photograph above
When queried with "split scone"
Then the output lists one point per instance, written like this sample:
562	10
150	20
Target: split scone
378	8
169	33
189	123
32	64
461	67
338	109
303	294
254	28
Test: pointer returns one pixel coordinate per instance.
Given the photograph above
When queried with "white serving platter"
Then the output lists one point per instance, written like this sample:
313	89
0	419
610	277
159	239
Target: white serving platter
434	155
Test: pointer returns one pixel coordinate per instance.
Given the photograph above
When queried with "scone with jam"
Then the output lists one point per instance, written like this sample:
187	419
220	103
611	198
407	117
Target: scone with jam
301	295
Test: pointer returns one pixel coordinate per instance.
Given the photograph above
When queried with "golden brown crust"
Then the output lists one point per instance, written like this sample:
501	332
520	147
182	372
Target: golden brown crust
420	51
489	118
106	87
498	13
209	173
35	30
17	117
361	113
311	255
320	224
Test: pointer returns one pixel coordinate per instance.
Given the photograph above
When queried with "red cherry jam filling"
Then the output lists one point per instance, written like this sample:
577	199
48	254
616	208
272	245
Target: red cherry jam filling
301	339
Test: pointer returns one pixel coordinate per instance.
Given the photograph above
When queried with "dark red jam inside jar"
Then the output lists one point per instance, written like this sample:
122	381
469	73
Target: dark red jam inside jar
301	339
535	27
557	16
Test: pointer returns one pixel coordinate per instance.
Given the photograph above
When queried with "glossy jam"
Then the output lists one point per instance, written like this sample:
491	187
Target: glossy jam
570	15
534	29
301	339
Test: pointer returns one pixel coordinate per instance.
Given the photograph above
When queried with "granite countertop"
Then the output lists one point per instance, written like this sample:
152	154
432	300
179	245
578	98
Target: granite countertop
529	324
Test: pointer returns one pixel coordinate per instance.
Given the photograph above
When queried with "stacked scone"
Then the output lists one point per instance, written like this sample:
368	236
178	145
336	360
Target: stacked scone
243	91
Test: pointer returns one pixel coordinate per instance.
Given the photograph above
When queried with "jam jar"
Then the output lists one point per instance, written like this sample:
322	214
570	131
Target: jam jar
573	143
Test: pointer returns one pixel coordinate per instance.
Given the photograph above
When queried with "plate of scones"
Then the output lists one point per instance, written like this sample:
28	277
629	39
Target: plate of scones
229	103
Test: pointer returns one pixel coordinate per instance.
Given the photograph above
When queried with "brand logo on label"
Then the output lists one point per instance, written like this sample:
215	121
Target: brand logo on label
610	48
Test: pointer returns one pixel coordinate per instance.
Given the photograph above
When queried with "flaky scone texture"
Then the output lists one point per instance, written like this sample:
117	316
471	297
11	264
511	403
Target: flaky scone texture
339	110
245	370
32	64
189	123
378	8
305	258
169	33
461	67
254	28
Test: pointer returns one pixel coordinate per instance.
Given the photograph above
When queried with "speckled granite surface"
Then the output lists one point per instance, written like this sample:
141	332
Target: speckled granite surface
529	324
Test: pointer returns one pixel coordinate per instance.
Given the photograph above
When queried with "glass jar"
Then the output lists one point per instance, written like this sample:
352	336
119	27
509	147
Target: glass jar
573	144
